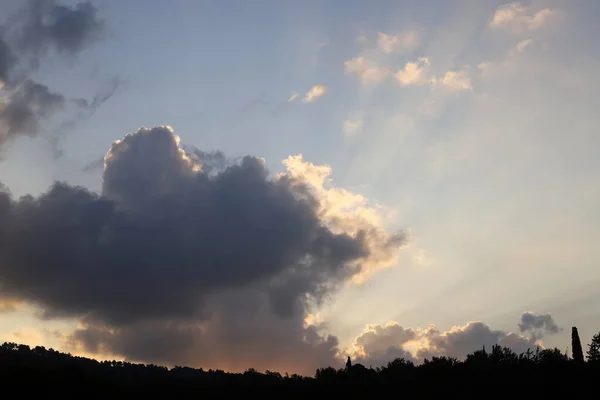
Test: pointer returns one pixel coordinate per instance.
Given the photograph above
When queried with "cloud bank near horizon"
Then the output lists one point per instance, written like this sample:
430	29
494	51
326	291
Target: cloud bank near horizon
379	344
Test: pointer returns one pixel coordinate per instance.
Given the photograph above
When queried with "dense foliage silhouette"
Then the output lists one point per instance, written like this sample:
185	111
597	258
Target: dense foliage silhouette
483	373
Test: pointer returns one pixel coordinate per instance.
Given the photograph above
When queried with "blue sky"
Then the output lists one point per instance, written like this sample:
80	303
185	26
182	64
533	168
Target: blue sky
470	123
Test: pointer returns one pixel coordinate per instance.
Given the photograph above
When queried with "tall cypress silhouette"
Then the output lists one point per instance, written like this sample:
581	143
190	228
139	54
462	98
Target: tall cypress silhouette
576	346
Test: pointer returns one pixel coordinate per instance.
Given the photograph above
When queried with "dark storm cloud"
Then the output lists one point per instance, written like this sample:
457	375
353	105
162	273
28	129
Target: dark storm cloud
44	25
162	235
538	325
39	28
172	244
30	103
7	61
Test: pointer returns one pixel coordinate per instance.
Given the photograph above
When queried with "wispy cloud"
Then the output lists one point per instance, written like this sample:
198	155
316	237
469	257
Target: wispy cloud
368	65
518	18
399	43
421	258
366	70
353	124
523	44
454	81
314	93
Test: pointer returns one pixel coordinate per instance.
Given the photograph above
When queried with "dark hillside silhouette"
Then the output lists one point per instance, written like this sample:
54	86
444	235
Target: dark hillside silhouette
482	374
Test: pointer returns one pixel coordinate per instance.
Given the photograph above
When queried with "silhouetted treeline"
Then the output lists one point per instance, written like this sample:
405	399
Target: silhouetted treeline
483	373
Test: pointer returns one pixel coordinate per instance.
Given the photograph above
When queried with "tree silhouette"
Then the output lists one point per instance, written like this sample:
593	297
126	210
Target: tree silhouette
552	357
576	345
593	353
534	373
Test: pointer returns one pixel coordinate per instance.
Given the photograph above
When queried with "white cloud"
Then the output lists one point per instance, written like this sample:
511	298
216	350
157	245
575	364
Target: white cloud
367	71
397	43
506	13
413	73
518	18
314	93
367	66
379	344
540	18
455	81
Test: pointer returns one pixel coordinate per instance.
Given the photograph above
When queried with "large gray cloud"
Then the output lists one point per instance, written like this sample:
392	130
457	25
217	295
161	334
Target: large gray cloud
39	28
538	325
185	257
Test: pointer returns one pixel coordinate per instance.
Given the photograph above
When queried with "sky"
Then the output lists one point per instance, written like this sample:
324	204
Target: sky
280	185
